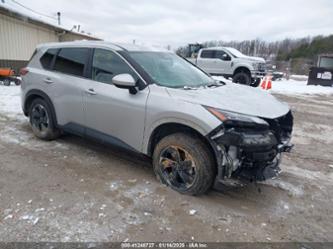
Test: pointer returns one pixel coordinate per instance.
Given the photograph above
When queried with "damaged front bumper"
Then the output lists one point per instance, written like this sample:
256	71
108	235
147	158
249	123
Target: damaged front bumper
252	153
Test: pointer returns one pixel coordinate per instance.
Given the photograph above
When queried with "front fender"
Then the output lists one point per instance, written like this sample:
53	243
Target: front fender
171	120
203	126
243	65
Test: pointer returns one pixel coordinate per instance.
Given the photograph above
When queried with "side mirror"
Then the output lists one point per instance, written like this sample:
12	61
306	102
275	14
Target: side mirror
124	80
226	57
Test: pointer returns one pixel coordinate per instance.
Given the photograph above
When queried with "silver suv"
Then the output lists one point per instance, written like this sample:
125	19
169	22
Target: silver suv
196	129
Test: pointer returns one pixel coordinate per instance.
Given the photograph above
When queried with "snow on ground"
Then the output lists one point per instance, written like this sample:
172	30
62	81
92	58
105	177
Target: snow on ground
299	77
291	87
10	103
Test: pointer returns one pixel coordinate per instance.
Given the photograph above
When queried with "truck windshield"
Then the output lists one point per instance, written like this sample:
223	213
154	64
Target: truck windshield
169	70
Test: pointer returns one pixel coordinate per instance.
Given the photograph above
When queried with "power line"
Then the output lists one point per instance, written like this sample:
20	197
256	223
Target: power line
36	12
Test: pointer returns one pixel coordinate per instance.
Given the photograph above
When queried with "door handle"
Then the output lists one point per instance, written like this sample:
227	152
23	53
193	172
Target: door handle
48	81
91	91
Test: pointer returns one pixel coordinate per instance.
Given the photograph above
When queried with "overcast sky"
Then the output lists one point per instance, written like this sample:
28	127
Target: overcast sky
178	22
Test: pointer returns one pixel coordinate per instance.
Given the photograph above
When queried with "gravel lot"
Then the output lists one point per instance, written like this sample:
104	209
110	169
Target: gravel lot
76	190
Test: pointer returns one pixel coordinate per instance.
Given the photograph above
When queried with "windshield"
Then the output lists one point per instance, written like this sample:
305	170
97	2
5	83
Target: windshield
236	52
170	70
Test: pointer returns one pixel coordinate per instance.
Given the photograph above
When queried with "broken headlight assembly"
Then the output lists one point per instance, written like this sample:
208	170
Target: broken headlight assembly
248	145
233	119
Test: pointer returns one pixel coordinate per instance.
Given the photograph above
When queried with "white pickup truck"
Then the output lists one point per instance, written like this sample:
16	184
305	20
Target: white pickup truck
231	63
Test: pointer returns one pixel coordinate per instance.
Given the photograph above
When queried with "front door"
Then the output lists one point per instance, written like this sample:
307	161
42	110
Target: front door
113	114
222	62
206	61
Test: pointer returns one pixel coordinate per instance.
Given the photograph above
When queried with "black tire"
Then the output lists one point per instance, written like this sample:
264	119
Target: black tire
6	82
17	82
256	82
42	121
202	170
242	78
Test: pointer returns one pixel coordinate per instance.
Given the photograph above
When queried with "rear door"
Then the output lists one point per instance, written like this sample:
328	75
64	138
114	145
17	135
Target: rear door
67	81
112	113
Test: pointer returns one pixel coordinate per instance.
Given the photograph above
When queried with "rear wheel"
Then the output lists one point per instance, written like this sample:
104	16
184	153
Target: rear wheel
6	82
41	120
17	82
242	78
184	163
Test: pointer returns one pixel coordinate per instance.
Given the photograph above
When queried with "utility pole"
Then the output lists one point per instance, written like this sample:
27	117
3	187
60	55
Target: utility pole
59	16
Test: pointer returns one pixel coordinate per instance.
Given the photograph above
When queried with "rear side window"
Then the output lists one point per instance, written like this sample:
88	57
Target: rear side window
72	61
47	58
207	54
107	64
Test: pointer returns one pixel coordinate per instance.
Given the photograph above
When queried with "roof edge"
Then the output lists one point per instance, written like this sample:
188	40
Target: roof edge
29	19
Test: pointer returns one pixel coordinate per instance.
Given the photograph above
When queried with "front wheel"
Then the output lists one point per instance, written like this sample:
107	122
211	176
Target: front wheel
184	163
242	78
41	120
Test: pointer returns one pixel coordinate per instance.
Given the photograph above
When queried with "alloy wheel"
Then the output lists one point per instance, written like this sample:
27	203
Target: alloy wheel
178	167
39	118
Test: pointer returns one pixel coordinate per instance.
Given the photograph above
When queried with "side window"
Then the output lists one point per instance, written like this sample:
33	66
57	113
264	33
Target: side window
219	54
47	58
107	64
207	54
72	61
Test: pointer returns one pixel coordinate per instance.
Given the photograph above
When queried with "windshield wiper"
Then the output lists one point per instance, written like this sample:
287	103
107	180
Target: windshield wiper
216	83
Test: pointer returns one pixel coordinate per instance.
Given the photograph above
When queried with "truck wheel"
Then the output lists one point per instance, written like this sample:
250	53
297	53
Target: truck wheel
256	82
41	120
6	82
184	163
242	78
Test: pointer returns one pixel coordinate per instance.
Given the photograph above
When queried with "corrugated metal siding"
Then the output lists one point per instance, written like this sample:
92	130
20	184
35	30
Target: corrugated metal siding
18	39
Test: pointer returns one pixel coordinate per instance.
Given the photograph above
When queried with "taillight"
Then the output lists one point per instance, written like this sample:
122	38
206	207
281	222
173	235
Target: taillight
24	71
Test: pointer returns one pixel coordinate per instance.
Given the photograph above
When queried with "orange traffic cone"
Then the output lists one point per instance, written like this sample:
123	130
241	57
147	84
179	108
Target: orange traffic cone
269	83
263	83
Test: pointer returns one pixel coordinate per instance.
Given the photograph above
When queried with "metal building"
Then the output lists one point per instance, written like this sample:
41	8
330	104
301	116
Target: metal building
20	34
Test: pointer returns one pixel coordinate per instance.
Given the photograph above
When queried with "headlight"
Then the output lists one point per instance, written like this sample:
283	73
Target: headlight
255	65
236	119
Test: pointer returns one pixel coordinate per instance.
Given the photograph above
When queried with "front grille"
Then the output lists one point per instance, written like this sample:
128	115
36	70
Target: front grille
262	67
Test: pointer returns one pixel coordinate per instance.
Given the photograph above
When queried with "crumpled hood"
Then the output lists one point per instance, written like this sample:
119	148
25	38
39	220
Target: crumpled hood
235	98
